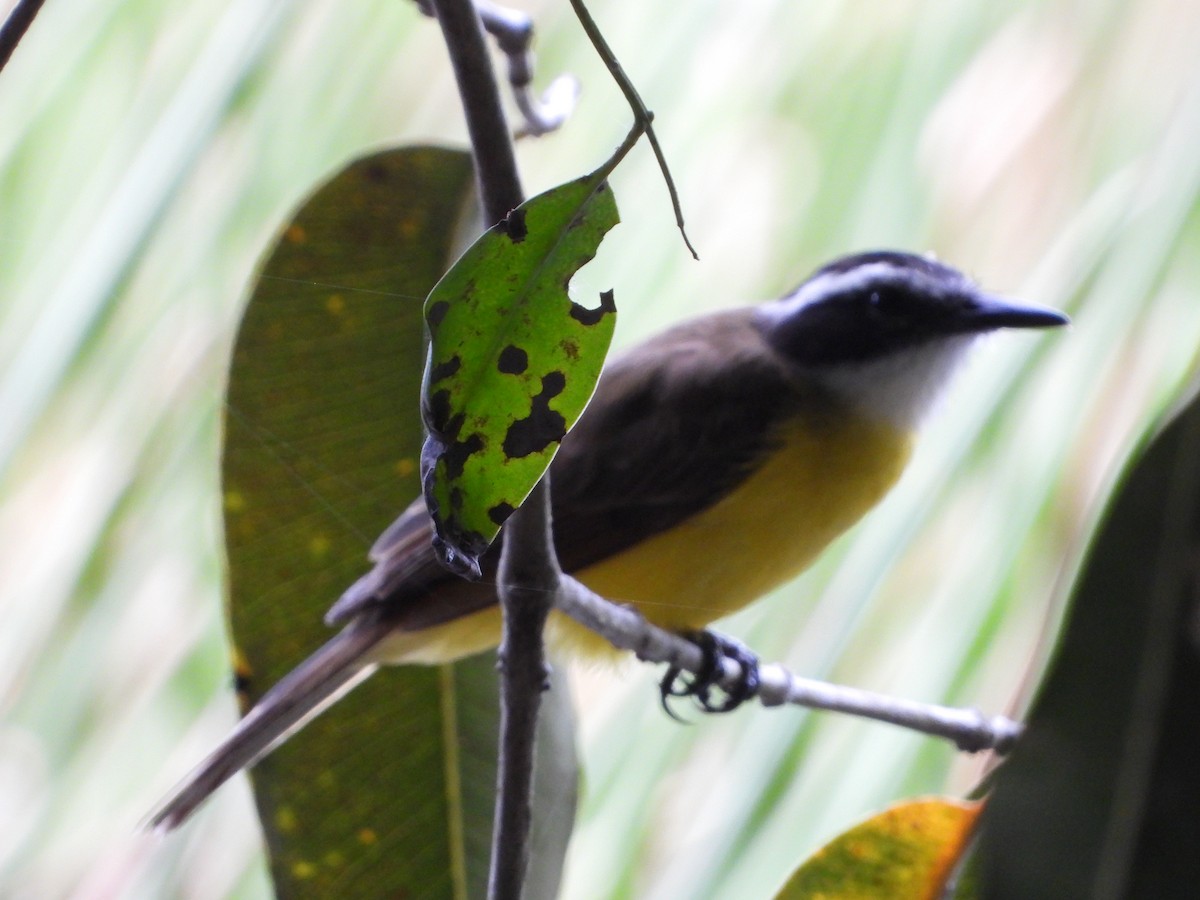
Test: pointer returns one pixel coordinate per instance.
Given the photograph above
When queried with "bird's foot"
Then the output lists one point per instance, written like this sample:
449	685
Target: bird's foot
716	648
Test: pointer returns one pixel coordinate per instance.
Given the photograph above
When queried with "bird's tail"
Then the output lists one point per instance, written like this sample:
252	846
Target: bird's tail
335	668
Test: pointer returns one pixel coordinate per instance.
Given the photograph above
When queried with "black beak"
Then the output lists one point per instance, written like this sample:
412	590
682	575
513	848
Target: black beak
988	312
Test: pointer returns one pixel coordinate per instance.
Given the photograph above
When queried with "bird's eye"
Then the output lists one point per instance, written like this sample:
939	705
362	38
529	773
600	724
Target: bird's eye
884	302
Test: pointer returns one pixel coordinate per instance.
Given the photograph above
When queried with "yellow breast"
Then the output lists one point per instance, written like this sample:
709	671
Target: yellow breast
818	483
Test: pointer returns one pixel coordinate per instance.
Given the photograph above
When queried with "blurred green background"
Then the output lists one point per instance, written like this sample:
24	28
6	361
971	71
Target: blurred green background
148	149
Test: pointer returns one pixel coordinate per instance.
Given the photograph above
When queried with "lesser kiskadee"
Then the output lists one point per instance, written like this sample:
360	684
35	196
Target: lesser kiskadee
714	462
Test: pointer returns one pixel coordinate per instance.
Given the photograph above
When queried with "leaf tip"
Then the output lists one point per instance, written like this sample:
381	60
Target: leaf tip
459	560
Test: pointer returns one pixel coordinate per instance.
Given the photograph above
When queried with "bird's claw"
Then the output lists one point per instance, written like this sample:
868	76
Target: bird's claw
716	648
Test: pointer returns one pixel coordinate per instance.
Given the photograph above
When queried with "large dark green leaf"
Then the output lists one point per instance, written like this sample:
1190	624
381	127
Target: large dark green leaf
1102	796
512	362
390	793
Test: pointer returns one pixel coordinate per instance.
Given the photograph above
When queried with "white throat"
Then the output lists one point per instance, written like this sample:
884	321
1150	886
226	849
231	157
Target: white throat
902	388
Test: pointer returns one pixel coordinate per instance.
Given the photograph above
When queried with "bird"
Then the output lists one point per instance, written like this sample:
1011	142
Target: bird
715	462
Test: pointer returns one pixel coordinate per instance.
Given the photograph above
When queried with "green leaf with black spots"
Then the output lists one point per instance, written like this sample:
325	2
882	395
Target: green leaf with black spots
512	363
389	793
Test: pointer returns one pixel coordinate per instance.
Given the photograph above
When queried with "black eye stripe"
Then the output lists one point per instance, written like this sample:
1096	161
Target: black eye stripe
887	307
870	306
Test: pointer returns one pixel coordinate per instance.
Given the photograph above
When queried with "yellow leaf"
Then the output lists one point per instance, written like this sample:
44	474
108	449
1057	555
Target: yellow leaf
904	853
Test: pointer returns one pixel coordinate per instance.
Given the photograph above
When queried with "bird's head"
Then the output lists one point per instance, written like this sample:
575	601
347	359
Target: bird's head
885	330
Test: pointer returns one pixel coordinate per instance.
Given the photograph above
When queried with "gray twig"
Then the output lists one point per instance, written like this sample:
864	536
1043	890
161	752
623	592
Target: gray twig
625	629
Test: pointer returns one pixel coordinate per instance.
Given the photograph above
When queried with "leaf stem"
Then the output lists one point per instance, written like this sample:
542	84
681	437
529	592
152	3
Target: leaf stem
643	117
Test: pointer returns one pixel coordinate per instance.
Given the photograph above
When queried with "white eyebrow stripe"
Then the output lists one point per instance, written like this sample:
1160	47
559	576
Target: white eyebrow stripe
825	285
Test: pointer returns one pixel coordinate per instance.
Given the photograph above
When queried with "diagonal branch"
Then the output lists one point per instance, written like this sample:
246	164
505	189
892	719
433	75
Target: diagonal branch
15	26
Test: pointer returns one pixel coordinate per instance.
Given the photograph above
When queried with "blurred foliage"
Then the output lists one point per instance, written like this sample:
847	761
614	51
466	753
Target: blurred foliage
306	477
393	789
1102	798
907	852
151	146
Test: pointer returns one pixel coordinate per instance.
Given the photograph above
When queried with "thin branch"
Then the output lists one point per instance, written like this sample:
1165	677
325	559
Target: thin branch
15	26
528	581
495	163
640	111
529	573
625	629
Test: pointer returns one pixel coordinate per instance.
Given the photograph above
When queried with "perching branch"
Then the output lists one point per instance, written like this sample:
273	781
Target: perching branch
625	629
527	584
15	26
529	572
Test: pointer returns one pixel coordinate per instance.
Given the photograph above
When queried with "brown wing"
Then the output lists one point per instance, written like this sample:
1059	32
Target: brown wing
675	424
